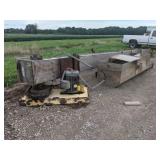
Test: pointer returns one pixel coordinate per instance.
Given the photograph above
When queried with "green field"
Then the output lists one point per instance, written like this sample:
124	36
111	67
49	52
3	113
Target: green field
51	48
9	37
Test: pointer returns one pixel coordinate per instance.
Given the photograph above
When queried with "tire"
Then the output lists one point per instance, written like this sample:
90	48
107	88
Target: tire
133	44
39	92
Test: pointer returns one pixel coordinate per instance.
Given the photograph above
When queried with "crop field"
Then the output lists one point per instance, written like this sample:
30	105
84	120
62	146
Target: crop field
51	48
30	37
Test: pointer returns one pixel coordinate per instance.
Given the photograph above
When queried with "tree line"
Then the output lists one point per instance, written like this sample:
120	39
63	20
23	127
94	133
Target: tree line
112	30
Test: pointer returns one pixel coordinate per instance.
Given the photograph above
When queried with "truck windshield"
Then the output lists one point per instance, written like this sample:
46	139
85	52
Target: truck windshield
154	34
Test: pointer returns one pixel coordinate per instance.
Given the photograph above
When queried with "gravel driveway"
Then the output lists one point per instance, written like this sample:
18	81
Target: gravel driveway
106	117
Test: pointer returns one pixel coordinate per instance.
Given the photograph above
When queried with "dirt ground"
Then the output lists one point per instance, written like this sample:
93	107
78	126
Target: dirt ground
105	118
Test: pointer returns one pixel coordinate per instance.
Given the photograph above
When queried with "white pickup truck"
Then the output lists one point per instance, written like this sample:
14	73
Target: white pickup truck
137	40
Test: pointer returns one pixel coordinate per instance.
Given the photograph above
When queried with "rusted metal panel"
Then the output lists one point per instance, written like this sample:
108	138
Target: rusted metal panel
95	59
34	72
113	78
111	73
44	71
76	64
126	58
128	71
37	71
68	62
25	72
117	73
65	63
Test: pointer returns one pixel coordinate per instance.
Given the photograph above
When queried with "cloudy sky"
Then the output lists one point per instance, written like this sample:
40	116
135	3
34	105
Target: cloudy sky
46	24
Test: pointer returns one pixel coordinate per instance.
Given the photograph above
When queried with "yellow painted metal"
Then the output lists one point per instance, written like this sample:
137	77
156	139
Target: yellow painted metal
56	98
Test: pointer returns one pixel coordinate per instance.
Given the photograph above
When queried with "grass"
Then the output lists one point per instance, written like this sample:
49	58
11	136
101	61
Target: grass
51	48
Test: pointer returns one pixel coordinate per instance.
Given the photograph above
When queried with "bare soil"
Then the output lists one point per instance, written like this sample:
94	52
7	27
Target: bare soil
106	117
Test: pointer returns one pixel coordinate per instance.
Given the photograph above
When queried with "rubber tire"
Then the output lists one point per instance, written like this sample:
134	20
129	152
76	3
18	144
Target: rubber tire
40	93
133	44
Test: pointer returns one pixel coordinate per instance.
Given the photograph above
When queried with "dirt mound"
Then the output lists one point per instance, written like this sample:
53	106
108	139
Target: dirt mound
17	90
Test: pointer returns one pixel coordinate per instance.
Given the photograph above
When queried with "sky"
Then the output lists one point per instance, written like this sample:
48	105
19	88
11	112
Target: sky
54	24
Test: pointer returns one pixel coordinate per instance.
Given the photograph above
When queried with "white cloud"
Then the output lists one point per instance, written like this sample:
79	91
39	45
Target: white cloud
46	24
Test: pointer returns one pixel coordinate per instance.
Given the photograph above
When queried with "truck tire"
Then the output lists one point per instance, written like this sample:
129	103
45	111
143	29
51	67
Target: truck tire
133	44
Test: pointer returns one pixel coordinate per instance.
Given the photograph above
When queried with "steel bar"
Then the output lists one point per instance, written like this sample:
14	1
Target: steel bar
81	61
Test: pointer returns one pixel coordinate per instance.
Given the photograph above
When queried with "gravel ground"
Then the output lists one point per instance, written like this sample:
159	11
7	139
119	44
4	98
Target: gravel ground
106	117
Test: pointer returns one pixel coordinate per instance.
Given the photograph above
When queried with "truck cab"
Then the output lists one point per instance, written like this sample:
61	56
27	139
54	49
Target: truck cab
149	38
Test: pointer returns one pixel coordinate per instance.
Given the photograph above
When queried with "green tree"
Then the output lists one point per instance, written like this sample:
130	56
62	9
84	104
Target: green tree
31	28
